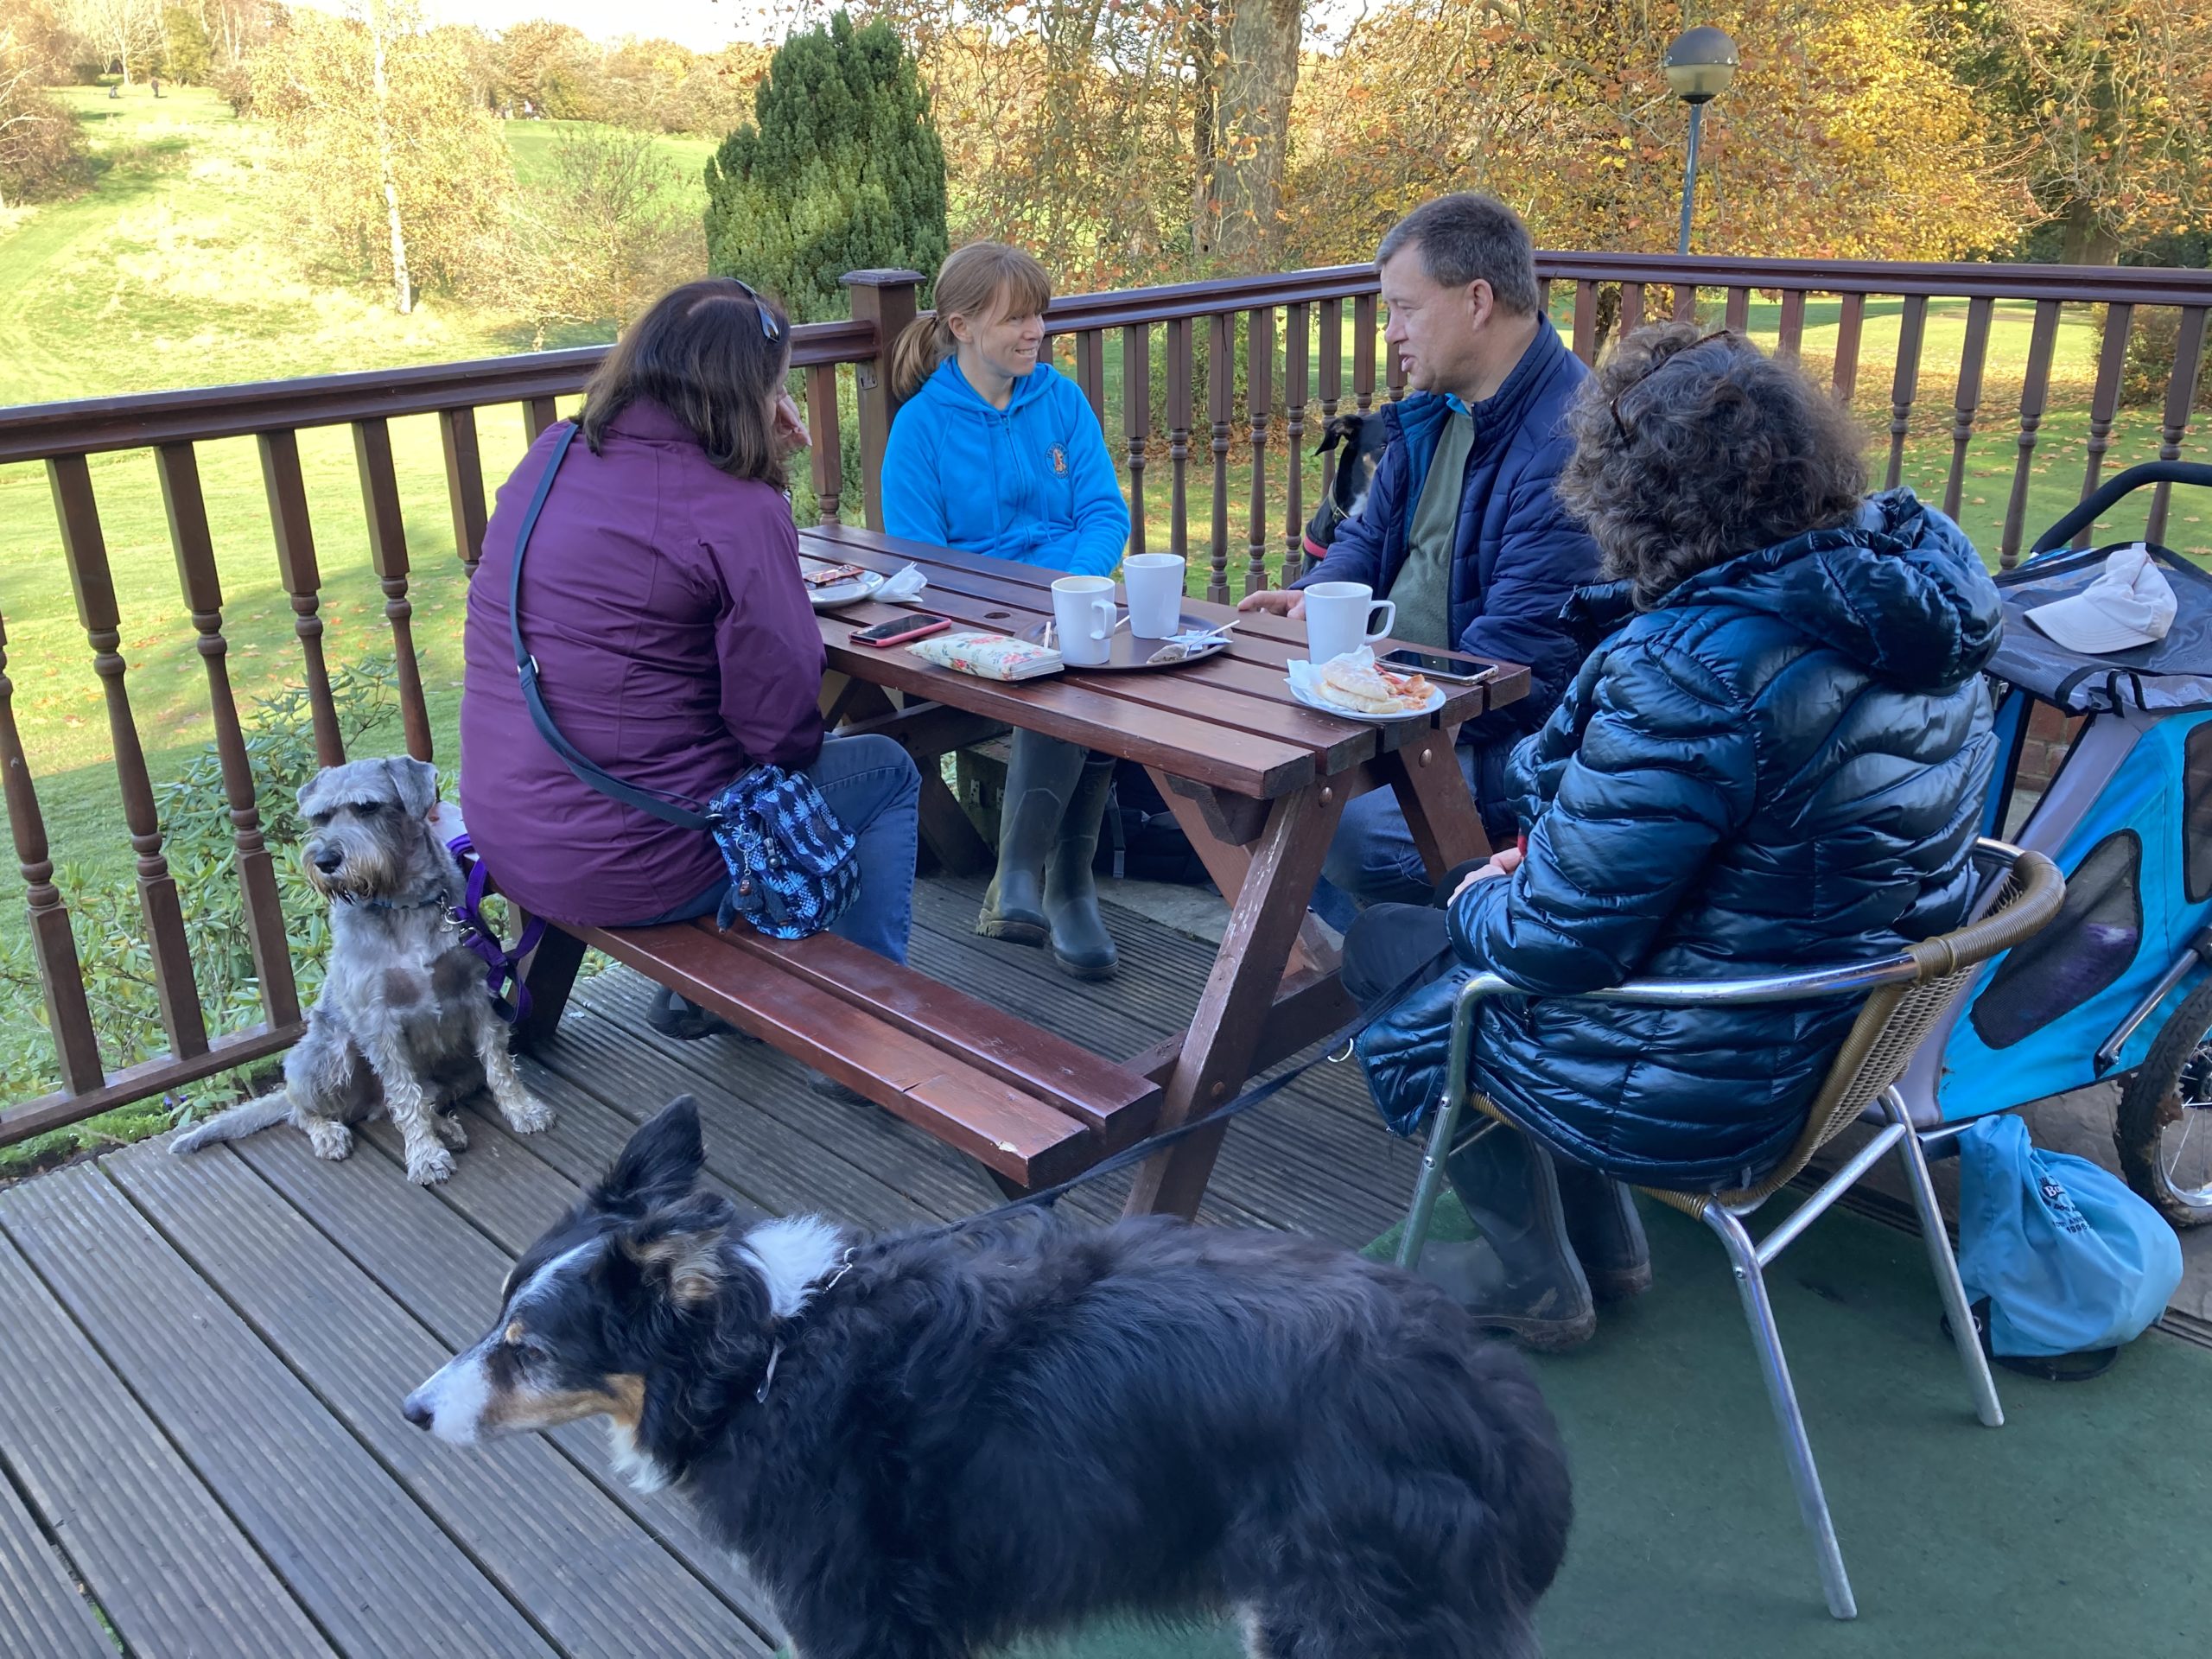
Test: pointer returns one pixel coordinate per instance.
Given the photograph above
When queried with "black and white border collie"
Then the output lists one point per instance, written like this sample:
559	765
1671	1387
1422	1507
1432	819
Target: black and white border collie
925	1446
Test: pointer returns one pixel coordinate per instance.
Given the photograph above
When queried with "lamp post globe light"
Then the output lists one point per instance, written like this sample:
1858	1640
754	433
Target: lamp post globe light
1699	66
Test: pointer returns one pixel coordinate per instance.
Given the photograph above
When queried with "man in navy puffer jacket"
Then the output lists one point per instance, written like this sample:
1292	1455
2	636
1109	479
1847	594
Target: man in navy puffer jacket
1775	758
1461	530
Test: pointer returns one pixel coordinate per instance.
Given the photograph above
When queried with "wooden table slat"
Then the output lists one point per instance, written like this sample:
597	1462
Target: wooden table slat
352	1544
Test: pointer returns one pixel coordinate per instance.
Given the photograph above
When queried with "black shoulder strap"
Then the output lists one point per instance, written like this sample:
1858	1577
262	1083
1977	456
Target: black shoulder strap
526	668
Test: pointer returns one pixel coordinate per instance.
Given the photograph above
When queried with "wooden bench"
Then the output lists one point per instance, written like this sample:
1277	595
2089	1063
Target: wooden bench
1032	1108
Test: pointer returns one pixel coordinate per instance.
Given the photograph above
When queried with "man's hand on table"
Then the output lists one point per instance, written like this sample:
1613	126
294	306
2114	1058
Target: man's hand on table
1277	601
1502	862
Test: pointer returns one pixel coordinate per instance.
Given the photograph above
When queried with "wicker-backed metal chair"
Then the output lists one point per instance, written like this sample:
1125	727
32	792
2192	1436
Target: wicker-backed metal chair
1905	994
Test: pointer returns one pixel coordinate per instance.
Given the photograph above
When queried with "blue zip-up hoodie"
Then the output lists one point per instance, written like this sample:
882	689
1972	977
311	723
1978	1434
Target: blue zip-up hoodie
1031	482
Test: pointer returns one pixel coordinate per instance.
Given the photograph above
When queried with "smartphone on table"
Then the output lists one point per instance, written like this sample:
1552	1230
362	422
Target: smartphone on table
900	629
1436	664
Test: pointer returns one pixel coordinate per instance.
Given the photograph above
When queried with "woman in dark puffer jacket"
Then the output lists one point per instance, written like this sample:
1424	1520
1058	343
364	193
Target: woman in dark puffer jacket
1775	758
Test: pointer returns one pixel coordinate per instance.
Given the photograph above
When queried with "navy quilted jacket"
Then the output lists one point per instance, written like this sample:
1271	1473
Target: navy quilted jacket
1780	766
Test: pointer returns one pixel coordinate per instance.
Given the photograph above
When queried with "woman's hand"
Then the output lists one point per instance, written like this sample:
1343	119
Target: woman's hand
788	428
1502	862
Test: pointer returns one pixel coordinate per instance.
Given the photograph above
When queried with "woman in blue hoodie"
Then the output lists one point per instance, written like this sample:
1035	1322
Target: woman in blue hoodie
1774	759
994	452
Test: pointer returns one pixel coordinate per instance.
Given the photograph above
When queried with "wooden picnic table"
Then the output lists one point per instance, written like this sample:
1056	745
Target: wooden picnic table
1257	780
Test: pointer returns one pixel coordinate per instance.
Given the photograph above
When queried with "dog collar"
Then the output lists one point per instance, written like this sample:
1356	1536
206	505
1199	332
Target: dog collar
776	1352
437	897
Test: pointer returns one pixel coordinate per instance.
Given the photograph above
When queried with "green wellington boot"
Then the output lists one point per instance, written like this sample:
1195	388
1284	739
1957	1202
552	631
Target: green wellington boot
1081	944
1606	1232
1041	774
1521	1276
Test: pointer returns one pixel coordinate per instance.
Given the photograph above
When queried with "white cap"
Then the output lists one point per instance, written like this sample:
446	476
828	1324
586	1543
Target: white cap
2131	604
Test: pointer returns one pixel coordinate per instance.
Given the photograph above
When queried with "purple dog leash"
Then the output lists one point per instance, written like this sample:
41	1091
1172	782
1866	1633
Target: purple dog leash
501	964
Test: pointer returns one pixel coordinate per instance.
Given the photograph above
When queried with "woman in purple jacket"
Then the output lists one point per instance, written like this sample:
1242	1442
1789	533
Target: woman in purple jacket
663	602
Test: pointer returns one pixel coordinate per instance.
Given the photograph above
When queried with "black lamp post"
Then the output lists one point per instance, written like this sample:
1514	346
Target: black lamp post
1699	66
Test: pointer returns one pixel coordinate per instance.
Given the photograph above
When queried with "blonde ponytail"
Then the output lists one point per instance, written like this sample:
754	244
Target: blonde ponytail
921	346
983	279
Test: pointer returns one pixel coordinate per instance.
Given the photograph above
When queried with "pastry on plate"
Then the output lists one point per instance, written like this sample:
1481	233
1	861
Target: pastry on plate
1366	689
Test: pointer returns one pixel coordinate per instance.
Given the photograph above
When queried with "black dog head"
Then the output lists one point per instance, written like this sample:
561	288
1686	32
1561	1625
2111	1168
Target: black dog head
633	1275
1362	439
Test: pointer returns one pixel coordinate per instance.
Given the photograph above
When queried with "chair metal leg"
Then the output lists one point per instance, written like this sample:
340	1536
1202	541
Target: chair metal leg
1945	1266
1759	1312
1415	1233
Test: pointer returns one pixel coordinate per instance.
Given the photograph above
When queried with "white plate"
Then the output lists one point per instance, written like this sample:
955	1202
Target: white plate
1435	701
844	593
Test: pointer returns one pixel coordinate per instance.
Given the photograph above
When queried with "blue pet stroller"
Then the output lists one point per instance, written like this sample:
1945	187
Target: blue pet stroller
2115	987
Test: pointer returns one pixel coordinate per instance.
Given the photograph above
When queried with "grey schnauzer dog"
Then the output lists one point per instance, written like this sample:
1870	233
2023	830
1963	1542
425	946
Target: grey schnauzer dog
405	1021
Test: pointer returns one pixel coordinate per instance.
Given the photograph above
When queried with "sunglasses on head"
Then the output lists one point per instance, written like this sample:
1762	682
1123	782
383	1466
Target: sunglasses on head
770	328
1621	426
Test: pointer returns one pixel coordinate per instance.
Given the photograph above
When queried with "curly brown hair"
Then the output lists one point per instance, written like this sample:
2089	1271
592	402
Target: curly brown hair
1692	449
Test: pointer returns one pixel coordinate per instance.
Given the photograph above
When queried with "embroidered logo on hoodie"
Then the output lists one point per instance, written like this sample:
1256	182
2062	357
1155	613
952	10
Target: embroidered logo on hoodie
1060	461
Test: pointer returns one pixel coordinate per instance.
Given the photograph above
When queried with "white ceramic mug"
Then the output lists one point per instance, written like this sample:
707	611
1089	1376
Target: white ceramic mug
1154	582
1083	614
1340	618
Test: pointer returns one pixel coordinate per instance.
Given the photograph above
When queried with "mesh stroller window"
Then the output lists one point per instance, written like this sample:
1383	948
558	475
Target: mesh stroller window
2196	813
2087	946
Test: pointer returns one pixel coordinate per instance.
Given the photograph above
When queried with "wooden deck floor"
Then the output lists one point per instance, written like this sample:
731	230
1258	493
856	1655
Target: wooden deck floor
201	1360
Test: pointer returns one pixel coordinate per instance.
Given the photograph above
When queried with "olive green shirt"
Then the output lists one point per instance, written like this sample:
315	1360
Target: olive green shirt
1422	592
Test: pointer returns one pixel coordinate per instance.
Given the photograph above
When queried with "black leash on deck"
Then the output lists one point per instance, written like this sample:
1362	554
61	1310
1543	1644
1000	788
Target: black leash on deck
1336	1047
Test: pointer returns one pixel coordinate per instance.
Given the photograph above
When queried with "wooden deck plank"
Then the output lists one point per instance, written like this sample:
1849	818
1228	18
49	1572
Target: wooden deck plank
40	1612
172	1570
350	1542
527	1515
447	1273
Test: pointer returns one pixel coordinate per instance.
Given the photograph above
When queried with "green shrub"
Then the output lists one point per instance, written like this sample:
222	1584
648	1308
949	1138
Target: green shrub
111	929
2152	338
841	169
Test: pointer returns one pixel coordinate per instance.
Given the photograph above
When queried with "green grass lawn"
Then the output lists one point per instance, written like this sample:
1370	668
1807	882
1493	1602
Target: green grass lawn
175	269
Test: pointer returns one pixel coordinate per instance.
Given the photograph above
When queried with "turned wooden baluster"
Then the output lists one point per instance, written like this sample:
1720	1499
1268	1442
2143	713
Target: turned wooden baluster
1844	380
388	552
1631	306
1296	392
464	483
1136	419
2035	390
1737	318
1967	399
2112	366
1180	370
1259	409
2181	393
1790	337
86	548
303	579
203	596
537	414
1912	326
1090	372
68	1016
1685	302
1362	353
1585	321
1221	406
826	441
1333	380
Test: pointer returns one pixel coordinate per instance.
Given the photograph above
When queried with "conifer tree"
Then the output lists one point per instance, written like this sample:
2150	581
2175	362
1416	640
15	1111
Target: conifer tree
840	169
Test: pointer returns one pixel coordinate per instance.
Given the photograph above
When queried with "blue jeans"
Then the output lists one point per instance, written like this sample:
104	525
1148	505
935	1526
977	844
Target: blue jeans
1373	859
870	783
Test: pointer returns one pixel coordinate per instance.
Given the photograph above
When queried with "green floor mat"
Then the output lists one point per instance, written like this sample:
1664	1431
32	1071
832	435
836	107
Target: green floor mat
2074	1530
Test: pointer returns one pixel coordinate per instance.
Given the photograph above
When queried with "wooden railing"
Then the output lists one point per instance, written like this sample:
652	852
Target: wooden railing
1309	349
